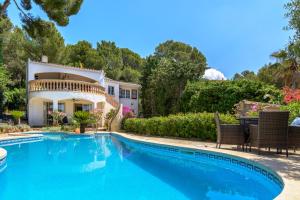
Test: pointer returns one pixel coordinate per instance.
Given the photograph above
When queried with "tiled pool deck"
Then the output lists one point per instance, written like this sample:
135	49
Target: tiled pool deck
287	168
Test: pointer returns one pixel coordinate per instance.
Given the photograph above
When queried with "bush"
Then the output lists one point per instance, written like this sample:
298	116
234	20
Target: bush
126	116
83	118
294	108
191	125
5	128
16	114
212	96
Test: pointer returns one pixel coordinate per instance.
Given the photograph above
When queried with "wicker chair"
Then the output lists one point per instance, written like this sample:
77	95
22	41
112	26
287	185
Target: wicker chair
229	133
294	137
271	131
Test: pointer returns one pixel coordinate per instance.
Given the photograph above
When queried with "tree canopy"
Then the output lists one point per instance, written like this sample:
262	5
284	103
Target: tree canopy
166	74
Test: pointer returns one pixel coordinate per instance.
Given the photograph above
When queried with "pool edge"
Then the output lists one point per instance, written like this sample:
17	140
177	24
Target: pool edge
288	192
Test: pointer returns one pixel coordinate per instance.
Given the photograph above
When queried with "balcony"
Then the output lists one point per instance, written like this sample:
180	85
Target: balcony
65	85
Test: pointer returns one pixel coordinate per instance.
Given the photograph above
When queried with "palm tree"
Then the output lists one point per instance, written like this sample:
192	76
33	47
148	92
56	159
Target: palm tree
289	62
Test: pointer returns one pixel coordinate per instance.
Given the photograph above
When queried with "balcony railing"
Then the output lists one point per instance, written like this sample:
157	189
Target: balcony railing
65	85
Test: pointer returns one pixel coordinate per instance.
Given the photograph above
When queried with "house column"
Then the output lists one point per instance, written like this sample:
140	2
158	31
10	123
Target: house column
55	105
95	105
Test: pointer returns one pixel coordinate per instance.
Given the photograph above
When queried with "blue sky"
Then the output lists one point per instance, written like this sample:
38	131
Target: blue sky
234	35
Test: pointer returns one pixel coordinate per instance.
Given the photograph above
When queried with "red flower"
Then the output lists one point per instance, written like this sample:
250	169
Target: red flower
291	95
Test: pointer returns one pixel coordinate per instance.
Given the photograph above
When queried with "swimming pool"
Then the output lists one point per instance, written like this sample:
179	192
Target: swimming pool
108	166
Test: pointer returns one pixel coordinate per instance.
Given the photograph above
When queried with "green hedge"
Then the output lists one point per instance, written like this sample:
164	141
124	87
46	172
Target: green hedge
212	96
192	125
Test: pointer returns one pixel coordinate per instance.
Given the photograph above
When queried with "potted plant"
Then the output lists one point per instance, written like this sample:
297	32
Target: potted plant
83	118
17	114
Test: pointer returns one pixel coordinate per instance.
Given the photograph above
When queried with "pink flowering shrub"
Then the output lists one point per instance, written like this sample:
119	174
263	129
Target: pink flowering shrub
291	95
57	117
126	110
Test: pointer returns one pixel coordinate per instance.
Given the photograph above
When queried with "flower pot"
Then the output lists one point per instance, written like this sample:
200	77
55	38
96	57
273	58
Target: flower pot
77	131
82	128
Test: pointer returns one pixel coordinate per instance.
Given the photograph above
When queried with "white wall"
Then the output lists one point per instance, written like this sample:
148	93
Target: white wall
64	95
36	99
131	103
37	67
36	111
116	86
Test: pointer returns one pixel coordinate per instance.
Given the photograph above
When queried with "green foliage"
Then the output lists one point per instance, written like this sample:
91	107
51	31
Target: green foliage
212	96
293	14
16	56
50	43
82	117
120	63
111	56
131	59
166	74
57	117
82	54
109	117
15	98
3	85
58	11
52	129
249	75
130	75
17	114
192	125
294	108
272	74
5	128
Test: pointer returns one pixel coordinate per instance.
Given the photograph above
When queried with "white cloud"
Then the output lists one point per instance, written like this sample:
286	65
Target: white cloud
213	74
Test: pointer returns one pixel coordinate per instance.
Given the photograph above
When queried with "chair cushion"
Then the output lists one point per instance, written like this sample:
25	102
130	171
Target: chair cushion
296	122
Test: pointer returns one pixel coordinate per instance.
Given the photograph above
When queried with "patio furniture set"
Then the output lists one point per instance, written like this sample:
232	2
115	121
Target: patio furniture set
269	130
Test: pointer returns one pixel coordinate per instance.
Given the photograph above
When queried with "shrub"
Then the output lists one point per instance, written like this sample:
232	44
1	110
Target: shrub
83	118
6	128
191	125
109	118
212	96
17	114
57	117
294	108
127	115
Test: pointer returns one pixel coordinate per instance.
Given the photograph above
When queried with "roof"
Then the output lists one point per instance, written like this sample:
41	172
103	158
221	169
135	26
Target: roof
123	83
66	66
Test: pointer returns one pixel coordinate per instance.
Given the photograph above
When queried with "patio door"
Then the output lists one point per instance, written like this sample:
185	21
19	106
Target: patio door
48	109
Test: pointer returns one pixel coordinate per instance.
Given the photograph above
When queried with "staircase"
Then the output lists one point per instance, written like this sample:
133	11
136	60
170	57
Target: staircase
111	101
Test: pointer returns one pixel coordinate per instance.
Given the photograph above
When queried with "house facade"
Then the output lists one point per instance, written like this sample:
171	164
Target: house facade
125	93
53	87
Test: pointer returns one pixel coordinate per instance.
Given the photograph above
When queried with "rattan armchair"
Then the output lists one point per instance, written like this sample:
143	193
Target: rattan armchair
229	133
271	131
294	137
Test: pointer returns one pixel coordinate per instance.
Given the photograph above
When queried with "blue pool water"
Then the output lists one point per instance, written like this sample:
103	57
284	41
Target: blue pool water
102	167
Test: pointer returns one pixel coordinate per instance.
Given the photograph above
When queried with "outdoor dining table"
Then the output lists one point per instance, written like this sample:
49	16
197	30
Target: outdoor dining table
246	121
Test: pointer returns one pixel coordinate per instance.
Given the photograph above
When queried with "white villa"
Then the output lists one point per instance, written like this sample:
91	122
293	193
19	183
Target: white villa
69	89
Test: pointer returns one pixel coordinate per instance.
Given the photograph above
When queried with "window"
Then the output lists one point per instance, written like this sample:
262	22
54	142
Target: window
87	107
111	90
124	93
83	107
134	94
61	107
127	94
